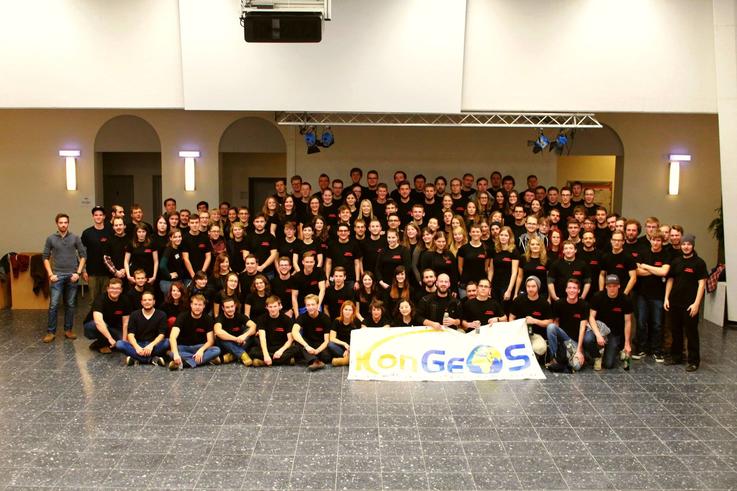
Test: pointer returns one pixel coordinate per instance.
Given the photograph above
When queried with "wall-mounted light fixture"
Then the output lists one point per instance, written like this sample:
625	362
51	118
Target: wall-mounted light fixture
674	179
71	165
189	176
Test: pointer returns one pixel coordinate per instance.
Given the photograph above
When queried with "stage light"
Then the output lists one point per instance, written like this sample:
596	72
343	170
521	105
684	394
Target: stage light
559	143
310	139
539	144
327	138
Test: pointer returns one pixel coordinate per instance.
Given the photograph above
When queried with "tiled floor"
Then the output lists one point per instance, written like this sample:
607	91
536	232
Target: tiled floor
70	418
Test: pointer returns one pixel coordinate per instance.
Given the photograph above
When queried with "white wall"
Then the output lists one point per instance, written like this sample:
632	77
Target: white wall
90	53
378	55
589	55
382	55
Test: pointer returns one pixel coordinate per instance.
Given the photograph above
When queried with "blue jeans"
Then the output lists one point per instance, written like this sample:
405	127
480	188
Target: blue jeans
336	349
557	335
187	354
234	348
650	325
63	289
159	350
91	332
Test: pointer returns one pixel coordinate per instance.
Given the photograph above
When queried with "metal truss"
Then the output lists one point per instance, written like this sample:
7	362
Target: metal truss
499	120
322	6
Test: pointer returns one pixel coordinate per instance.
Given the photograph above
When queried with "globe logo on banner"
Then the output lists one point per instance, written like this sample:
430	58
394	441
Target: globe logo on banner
484	359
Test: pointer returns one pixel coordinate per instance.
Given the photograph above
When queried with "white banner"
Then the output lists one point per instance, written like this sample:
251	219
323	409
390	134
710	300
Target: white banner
497	352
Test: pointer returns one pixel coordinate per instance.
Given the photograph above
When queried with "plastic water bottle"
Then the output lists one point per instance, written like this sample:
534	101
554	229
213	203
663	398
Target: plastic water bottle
626	364
445	318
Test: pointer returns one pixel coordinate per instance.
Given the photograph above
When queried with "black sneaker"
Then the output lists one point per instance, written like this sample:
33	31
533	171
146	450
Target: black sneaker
129	362
692	367
158	361
659	358
639	355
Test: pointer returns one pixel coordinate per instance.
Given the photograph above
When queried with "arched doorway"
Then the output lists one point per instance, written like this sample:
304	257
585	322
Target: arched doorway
128	165
253	154
597	160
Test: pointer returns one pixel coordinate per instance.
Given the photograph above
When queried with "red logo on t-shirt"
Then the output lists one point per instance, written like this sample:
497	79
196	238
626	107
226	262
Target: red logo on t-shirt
594	261
658	263
507	259
576	316
103	239
488	312
688	270
118	312
201	246
279	329
264	244
576	273
397	257
542	268
236	329
617	309
481	256
319	329
199	329
448	261
147	251
619	266
537	313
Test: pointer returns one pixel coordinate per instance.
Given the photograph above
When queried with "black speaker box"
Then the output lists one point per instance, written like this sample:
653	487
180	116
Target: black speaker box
283	27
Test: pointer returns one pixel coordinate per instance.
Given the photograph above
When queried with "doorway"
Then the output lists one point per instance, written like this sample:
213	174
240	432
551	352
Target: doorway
119	191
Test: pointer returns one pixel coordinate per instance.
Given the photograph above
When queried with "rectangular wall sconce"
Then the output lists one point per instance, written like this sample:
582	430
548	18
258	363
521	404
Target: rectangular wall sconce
189	174
674	179
71	167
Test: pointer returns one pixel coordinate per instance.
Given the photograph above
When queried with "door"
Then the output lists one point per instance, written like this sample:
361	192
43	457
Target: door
259	188
118	190
158	201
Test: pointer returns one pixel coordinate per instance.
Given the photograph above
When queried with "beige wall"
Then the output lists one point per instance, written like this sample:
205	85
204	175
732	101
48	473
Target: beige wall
237	168
31	166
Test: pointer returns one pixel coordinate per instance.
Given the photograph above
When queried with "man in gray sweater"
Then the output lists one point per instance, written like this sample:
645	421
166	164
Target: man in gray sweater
68	255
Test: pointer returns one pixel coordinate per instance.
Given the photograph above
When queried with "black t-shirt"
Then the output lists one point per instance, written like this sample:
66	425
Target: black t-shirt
260	245
611	311
619	264
561	271
334	299
288	249
539	309
282	289
134	297
142	257
193	331
637	249
306	284
344	254
112	311
594	261
115	248
474	262
314	247
653	287
686	273
603	238
502	262
171	309
257	303
94	241
197	246
343	331
478	310
276	329
444	262
245	280
235	253
235	325
459	204
144	329
388	261
570	316
368	321
404	210
370	251
398	322
330	214
534	267
315	328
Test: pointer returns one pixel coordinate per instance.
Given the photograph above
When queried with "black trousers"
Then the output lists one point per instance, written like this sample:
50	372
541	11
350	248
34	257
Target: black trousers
324	356
289	353
680	321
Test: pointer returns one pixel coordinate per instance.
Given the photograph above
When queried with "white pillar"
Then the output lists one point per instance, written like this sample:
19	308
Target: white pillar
725	51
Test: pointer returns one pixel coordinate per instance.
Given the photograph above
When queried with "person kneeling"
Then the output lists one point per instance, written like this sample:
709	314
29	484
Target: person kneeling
537	313
275	339
192	339
146	342
235	333
313	329
613	309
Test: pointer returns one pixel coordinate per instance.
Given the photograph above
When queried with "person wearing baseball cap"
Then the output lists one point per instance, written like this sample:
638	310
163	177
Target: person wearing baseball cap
684	292
94	240
614	309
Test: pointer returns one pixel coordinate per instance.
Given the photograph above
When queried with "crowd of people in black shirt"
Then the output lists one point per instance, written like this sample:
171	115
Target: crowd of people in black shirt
288	282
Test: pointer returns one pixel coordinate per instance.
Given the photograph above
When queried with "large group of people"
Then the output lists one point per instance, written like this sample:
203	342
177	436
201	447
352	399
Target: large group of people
288	283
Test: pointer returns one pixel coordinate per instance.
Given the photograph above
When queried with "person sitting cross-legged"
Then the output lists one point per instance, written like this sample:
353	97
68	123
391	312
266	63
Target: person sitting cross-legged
146	341
192	339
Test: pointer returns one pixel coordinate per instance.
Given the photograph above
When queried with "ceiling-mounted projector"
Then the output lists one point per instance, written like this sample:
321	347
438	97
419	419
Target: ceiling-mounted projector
284	21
